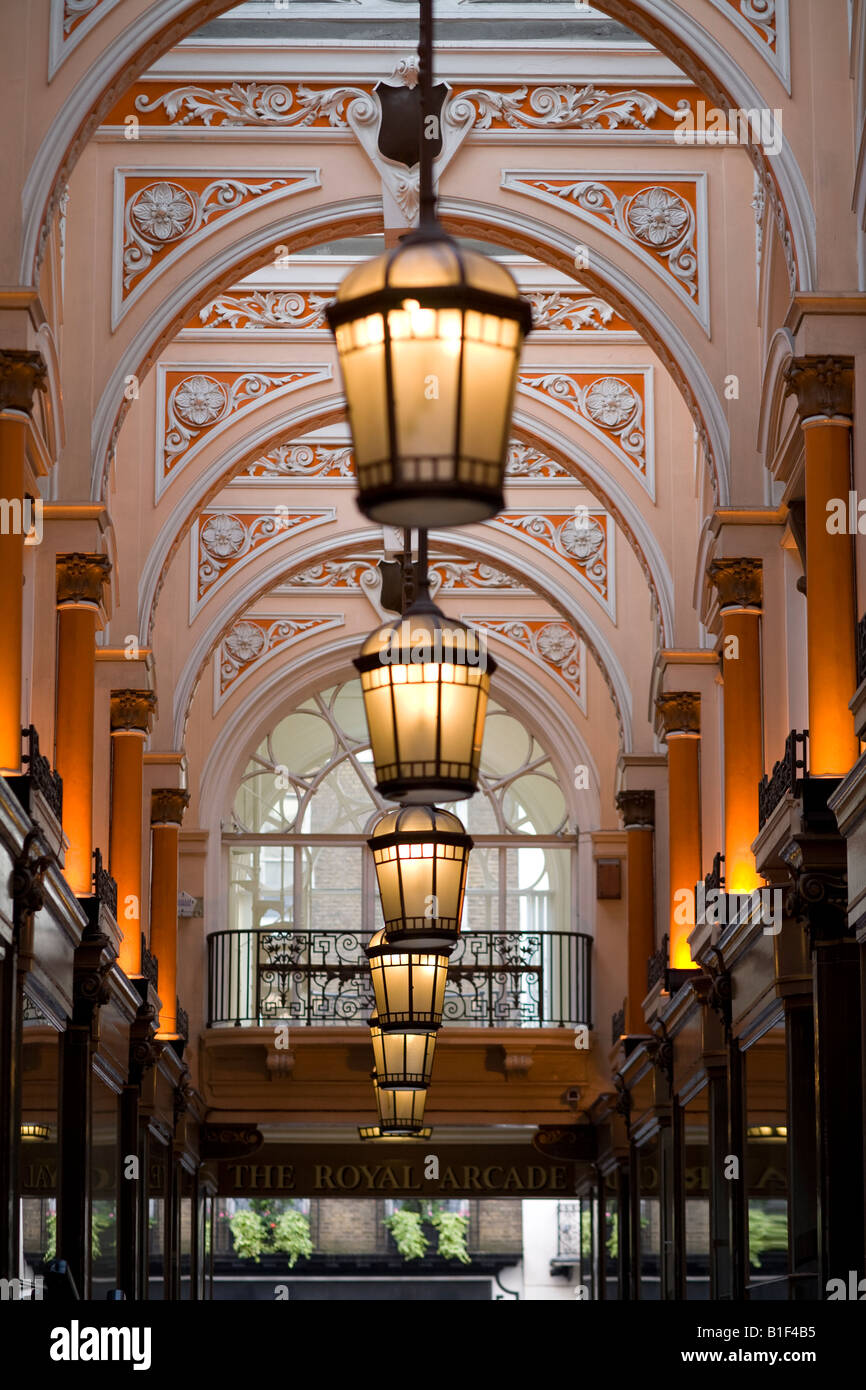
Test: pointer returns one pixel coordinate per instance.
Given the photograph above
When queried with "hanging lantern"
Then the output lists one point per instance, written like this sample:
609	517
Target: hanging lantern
404	1061
425	680
400	1111
421	855
409	985
429	338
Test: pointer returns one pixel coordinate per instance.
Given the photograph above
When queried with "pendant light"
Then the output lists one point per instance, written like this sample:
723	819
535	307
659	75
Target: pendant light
400	1111
429	338
421	855
403	1061
425	680
409	986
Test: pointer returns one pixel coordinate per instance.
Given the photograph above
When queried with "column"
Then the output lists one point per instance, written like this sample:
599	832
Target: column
79	597
739	586
680	715
824	389
637	809
131	712
166	814
21	373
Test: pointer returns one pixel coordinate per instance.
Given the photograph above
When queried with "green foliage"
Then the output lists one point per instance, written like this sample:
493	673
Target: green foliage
292	1236
51	1225
768	1230
248	1234
98	1224
405	1227
267	1227
452	1235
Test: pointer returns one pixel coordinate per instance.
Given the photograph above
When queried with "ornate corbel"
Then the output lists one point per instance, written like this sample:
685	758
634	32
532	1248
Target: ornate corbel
94	957
714	989
817	898
660	1050
622	1104
144	1048
27	880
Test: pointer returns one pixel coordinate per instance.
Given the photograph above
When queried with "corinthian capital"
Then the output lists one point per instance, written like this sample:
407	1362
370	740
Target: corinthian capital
637	808
21	373
80	578
167	805
680	712
739	582
824	386
131	710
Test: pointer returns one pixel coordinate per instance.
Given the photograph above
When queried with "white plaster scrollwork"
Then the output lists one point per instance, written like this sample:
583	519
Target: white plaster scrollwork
350	575
609	403
583	542
564	107
199	401
256	637
255	103
554	309
657	218
449	576
304	461
524	461
225	538
165	212
554	644
266	309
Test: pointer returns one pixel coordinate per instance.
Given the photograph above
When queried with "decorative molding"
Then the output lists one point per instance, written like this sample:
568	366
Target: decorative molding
824	386
766	24
70	22
256	637
450	576
223	539
253	310
679	712
526	463
21	373
132	710
167	805
160	214
660	217
308	107
584	541
550	641
637	808
615	406
349	576
581	311
80	579
739	582
193	402
311	460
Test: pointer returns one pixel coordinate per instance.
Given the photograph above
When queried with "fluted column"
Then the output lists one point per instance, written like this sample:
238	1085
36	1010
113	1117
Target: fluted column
637	809
166	814
80	579
680	714
21	373
739	585
131	712
824	389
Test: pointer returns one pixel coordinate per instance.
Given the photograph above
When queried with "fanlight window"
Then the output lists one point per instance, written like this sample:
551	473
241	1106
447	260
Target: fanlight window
302	899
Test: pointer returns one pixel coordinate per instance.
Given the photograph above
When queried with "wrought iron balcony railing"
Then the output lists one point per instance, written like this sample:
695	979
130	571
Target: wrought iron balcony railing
657	965
617	1026
182	1022
715	879
568	1222
788	775
104	886
149	964
42	776
861	650
321	978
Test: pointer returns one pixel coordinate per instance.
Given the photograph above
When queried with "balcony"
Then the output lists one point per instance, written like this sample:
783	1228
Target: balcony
321	978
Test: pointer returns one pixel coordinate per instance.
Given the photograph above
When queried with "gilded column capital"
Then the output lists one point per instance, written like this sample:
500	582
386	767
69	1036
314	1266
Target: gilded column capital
824	386
21	373
80	578
739	582
637	808
680	712
167	805
131	710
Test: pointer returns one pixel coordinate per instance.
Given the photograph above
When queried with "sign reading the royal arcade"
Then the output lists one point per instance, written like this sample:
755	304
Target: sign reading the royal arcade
395	1170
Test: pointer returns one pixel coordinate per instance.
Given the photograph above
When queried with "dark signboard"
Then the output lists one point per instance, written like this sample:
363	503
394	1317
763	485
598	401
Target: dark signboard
395	1169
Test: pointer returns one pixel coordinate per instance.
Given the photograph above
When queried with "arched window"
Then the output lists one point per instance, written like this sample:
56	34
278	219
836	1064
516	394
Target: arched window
302	897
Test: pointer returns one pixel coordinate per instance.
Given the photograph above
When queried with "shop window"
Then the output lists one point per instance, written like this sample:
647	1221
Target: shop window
696	1197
